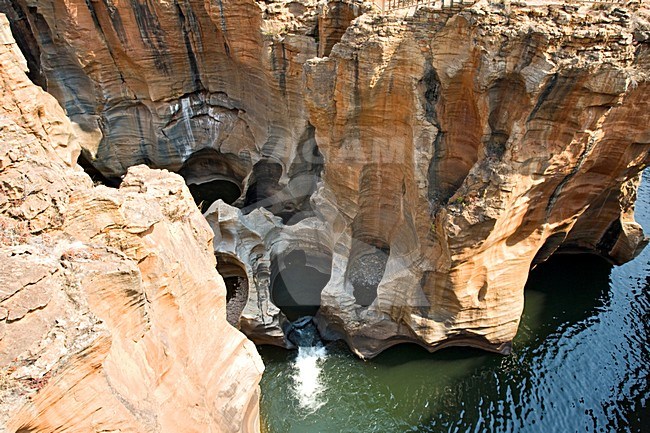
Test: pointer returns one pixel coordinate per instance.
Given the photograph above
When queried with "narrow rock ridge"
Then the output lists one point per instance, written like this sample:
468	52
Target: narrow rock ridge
112	315
414	172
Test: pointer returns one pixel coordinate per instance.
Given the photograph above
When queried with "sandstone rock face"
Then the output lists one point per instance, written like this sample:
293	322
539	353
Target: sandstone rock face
112	315
410	175
500	140
166	80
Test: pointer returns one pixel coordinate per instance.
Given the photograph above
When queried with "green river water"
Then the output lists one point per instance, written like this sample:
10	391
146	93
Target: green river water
579	364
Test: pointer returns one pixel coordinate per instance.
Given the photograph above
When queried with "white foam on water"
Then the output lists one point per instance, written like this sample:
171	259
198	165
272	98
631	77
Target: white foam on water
308	386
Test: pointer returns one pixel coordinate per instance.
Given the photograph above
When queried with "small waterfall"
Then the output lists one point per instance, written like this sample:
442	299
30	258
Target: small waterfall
307	383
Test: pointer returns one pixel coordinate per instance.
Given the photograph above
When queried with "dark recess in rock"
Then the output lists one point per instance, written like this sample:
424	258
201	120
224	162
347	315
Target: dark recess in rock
610	237
298	278
263	185
550	247
304	174
234	277
96	176
208	192
211	175
431	84
365	271
22	31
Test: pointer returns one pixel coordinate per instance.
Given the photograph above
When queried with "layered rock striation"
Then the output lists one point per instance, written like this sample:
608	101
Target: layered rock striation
488	140
112	314
398	173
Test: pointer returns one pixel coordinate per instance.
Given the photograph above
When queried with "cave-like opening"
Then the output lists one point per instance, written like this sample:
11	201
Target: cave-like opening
263	186
234	276
298	278
565	288
207	193
97	177
211	176
289	200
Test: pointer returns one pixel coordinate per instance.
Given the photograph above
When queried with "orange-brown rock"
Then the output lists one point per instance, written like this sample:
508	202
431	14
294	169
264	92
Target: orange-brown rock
158	81
423	163
112	315
470	146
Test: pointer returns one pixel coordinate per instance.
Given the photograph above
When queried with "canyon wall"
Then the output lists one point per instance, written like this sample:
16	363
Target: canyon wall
503	136
112	315
398	173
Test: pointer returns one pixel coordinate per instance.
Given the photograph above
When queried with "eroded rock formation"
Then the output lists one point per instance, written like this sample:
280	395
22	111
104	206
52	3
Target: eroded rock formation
416	170
500	130
112	315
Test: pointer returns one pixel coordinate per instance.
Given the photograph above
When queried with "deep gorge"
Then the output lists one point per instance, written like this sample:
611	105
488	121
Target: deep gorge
394	175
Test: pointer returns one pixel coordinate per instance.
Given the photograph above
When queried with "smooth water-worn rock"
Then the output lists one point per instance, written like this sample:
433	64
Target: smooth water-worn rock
303	333
161	82
112	314
418	161
469	147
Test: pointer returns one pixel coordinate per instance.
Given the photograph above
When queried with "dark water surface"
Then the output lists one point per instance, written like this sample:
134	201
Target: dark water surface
580	363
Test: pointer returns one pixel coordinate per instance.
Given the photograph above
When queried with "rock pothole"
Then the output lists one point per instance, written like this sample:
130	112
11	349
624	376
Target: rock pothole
365	273
298	280
234	276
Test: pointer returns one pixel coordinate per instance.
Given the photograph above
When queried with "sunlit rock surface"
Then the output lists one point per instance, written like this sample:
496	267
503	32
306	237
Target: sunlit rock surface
470	149
112	315
415	165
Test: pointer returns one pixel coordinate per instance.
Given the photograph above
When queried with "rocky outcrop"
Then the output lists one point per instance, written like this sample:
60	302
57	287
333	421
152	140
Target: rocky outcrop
460	150
402	184
169	84
112	315
503	135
